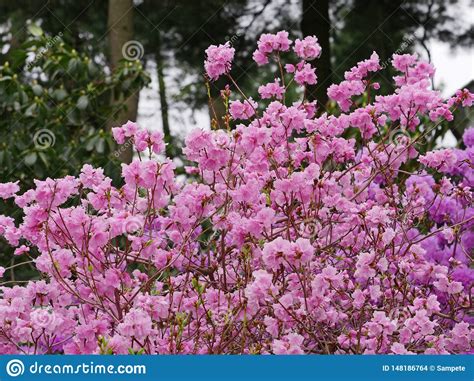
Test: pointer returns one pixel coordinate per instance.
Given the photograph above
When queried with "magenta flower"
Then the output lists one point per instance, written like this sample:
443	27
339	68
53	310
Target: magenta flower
218	60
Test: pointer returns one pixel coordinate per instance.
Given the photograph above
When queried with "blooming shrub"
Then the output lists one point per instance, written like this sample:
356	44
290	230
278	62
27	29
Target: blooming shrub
289	237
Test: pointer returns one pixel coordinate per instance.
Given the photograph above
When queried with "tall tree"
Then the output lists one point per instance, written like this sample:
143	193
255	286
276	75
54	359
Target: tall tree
160	63
315	21
120	32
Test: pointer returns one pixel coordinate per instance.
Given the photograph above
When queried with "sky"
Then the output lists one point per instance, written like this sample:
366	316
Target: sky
454	67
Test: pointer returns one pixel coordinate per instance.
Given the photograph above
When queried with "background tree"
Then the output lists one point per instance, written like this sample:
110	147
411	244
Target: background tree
54	109
122	45
315	22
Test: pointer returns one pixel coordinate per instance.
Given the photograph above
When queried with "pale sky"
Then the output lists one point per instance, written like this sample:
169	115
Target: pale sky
454	68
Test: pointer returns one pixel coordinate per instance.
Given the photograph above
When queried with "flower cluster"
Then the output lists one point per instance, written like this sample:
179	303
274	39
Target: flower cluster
354	83
219	60
270	43
289	239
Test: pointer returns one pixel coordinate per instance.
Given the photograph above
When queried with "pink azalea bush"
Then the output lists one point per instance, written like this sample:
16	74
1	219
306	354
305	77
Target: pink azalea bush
287	238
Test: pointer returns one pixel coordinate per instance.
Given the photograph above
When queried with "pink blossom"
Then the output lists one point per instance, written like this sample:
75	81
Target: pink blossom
136	324
305	75
272	89
8	190
242	110
218	60
21	250
290	229
269	43
468	137
308	48
290	345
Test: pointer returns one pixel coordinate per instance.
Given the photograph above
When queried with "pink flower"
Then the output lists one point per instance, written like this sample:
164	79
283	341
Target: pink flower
44	319
8	190
305	75
91	177
269	43
443	160
301	251
445	285
118	134
218	60
354	83
141	140
359	298
22	249
261	288
136	323
288	230
157	142
275	253
308	48
290	344
139	173
468	137
242	110
272	89
127	130
399	349
260	58
402	62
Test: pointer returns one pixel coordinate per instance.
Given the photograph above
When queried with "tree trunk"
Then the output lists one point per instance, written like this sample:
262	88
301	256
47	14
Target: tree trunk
315	21
163	100
120	26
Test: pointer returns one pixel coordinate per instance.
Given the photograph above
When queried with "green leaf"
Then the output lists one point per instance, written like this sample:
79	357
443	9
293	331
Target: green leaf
60	94
73	65
35	30
91	143
82	102
31	109
30	159
100	145
126	84
37	89
91	66
44	158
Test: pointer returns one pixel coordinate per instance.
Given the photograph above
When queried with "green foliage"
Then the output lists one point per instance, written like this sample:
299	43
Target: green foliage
56	105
